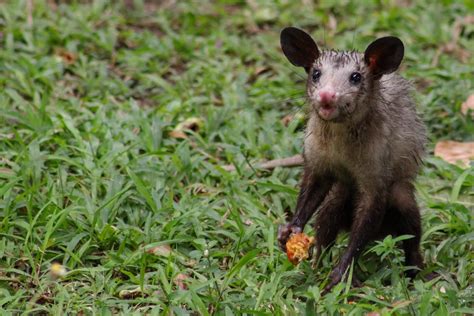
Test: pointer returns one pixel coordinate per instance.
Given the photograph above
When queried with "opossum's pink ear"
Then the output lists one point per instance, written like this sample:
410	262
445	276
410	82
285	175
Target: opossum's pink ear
299	47
384	55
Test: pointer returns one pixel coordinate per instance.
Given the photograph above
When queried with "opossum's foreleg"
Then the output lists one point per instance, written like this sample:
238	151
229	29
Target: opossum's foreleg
333	216
313	190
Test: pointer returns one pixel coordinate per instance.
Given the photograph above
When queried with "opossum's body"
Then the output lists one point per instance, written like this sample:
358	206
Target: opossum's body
363	148
387	142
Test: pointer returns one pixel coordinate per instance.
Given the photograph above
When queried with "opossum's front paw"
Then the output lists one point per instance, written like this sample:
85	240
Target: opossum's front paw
284	233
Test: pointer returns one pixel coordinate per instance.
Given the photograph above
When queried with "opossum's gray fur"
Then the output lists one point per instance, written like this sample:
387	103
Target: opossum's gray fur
383	136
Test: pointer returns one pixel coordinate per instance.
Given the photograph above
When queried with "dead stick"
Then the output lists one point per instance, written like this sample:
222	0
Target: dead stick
296	160
29	12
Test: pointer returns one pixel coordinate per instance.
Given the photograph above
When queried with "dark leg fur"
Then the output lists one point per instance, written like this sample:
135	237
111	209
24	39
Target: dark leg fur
367	221
333	215
313	190
403	206
402	217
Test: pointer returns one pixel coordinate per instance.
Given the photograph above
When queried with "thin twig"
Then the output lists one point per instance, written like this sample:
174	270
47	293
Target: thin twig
293	161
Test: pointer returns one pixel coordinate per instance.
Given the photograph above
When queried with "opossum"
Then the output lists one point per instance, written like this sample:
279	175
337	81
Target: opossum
363	147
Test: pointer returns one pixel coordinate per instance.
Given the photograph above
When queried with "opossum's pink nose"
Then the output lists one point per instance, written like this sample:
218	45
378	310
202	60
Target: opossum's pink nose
326	96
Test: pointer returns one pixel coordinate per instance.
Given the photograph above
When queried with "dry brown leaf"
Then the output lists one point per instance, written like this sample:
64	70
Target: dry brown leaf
287	119
468	105
191	124
180	281
161	250
455	152
178	134
260	70
67	57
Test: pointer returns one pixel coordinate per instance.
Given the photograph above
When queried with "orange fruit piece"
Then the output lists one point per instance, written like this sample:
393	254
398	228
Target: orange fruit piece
297	247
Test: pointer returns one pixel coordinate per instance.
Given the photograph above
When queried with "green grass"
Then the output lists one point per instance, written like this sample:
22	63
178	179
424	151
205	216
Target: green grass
90	177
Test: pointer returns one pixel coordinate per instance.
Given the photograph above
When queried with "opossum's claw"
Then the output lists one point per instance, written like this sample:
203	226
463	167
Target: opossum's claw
284	233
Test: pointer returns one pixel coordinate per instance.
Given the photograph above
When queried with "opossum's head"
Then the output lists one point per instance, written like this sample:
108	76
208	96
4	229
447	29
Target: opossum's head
340	83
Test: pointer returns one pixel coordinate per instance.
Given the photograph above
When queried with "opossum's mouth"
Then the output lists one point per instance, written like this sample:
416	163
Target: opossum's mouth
327	112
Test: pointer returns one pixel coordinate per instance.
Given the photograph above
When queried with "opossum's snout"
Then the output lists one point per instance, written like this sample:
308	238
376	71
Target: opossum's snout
326	96
325	104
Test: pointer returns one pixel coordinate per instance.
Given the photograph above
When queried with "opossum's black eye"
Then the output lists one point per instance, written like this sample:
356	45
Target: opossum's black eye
355	77
316	75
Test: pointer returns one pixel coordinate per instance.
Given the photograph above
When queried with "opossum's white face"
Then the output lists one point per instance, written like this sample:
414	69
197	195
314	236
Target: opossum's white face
337	85
340	83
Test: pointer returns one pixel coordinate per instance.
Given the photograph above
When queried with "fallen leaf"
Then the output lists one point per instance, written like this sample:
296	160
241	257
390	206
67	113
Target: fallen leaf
455	152
161	250
468	105
178	134
179	280
129	294
373	314
260	70
66	56
287	119
191	124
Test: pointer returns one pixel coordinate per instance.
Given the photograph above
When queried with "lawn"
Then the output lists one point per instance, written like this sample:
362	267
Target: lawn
98	174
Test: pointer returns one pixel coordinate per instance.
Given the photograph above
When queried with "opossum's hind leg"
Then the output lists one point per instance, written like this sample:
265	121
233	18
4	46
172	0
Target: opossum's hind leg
333	215
406	215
